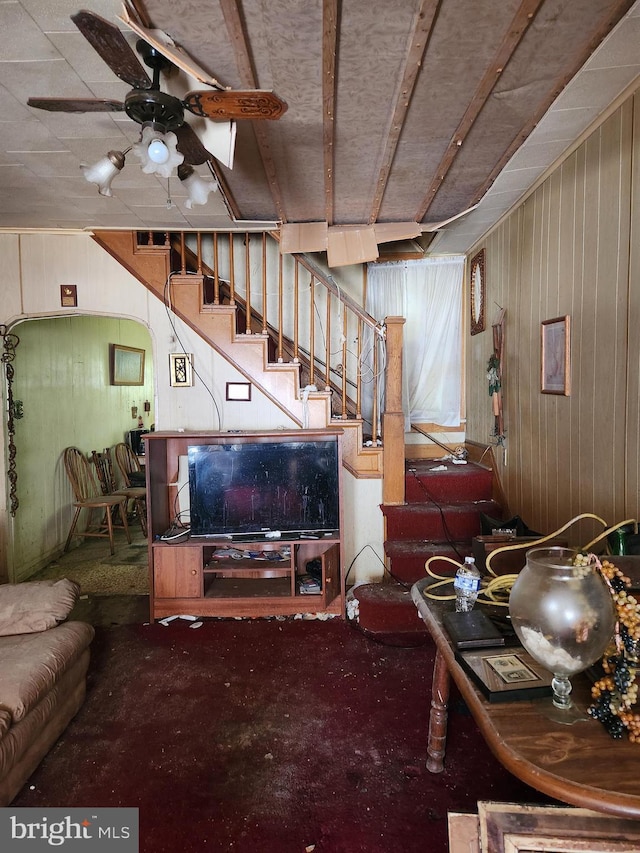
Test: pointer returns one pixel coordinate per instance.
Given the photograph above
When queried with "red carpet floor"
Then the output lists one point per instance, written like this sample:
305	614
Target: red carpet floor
267	735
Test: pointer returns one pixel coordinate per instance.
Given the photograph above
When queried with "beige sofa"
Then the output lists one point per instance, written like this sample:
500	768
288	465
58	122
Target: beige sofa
43	667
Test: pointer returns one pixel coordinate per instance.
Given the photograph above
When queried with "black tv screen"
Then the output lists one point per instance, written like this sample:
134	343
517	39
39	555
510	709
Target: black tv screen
260	487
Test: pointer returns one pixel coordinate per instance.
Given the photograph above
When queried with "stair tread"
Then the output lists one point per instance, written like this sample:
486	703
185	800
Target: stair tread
426	467
412	546
463	506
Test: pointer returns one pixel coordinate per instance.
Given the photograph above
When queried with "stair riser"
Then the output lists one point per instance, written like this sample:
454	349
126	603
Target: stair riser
421	487
426	522
392	612
412	569
407	559
408	564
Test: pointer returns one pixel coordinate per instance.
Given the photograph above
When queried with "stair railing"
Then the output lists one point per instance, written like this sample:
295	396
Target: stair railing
309	319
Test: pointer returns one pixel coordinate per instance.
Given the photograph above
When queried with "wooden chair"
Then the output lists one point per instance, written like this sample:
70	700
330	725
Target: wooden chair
87	495
104	471
129	466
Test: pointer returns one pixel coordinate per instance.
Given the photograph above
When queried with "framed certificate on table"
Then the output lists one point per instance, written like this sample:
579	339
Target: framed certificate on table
505	675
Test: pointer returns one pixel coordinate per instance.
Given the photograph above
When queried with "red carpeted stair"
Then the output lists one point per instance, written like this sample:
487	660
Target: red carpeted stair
441	516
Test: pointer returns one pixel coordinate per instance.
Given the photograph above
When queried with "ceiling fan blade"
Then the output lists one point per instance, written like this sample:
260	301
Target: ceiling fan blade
234	104
190	146
76	105
111	45
134	16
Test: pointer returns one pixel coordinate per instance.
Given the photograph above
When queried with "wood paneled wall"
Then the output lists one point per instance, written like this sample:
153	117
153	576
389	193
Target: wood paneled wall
572	248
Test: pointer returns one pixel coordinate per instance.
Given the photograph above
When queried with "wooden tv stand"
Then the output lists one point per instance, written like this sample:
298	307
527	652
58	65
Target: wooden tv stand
198	576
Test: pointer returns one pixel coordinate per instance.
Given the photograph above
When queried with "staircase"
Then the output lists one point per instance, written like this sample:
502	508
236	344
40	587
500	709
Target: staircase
222	290
441	516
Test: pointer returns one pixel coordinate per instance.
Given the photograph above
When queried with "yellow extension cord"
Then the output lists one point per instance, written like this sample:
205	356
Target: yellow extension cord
496	589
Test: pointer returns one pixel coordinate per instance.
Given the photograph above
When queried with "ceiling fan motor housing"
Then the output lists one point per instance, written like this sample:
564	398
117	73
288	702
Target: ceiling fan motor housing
151	106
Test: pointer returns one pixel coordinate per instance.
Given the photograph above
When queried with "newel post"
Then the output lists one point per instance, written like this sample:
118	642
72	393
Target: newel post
393	416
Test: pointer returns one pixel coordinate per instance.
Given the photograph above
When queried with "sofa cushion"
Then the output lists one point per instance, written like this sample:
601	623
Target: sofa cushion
5	724
35	605
30	664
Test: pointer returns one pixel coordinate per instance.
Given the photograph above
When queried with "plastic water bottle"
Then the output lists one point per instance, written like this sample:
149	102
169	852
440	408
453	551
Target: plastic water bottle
466	585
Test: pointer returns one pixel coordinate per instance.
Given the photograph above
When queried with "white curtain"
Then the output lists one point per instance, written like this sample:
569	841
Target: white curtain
428	294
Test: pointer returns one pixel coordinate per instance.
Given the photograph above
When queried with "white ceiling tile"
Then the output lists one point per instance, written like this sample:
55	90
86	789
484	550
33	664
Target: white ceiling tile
564	125
20	36
596	88
622	48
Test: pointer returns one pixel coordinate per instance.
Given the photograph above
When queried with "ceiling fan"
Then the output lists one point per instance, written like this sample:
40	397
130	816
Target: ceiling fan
166	141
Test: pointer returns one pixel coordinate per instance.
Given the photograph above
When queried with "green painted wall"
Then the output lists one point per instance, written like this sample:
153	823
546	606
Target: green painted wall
62	378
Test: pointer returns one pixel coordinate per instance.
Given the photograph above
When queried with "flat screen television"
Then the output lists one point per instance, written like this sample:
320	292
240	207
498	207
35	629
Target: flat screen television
255	488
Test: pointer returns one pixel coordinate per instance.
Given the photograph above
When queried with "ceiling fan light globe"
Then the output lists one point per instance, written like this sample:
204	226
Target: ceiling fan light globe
198	188
166	142
104	171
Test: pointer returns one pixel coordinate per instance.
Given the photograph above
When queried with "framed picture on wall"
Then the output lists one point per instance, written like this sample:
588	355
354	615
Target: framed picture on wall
555	365
477	287
180	369
240	391
126	365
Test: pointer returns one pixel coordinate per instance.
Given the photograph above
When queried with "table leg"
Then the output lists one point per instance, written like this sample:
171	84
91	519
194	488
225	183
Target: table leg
437	741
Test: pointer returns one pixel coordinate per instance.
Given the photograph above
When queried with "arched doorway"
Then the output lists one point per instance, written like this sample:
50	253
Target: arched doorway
63	384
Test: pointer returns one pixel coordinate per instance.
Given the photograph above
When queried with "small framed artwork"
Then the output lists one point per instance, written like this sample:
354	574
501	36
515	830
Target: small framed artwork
181	369
477	287
555	363
240	391
506	675
68	295
127	365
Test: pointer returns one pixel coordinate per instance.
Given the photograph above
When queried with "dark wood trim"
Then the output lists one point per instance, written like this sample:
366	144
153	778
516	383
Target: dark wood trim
573	66
422	26
513	35
330	17
236	29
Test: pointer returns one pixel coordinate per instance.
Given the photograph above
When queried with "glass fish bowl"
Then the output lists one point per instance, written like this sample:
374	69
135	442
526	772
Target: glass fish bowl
564	616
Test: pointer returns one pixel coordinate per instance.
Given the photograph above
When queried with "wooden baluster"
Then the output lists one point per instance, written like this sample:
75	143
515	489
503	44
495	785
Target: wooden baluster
265	327
247	275
216	275
296	311
232	275
199	250
327	348
312	331
199	268
344	363
183	260
280	309
358	371
167	239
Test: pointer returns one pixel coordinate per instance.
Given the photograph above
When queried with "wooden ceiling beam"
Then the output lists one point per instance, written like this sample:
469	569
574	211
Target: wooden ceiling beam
329	45
515	31
416	46
238	36
573	66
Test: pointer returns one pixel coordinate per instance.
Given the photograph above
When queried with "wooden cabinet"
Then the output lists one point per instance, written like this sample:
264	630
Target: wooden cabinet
237	575
177	571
